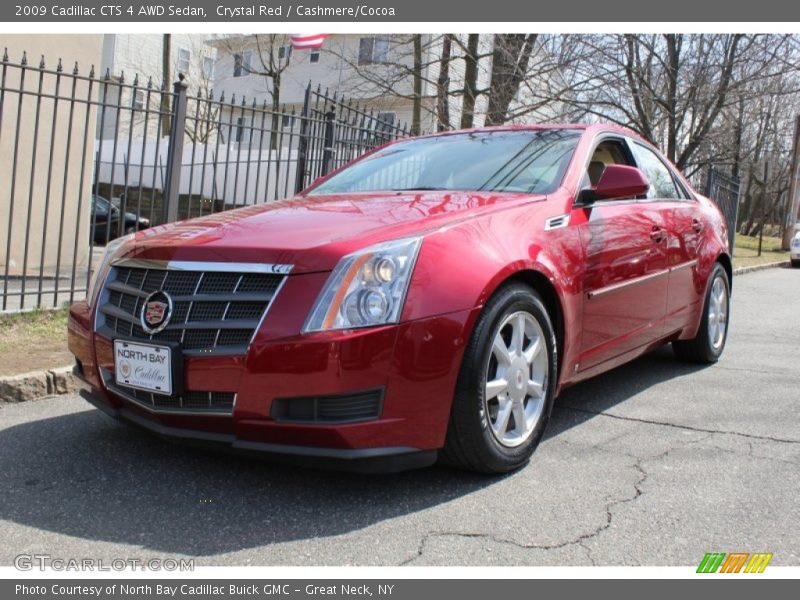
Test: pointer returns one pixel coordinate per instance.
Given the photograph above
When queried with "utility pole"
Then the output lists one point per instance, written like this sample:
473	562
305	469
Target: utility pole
794	189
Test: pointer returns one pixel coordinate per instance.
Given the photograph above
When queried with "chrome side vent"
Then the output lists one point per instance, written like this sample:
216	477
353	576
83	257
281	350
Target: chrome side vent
556	222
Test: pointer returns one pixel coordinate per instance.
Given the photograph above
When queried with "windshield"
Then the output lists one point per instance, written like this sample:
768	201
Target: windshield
496	161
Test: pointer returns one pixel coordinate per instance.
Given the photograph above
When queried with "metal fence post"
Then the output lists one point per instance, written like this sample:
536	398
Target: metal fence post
328	150
302	145
172	183
709	182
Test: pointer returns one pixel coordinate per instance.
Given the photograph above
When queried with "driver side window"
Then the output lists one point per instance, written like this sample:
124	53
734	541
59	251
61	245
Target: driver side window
662	185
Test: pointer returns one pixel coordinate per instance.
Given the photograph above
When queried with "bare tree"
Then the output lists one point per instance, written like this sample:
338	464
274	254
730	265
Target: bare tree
166	80
270	55
510	58
443	83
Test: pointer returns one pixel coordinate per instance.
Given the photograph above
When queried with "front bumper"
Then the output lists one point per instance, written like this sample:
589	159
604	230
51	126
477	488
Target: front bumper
415	364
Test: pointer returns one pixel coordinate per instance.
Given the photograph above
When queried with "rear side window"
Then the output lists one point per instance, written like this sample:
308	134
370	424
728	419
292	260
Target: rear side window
662	185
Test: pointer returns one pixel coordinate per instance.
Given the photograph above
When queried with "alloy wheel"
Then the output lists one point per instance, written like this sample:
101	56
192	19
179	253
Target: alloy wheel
516	379
718	313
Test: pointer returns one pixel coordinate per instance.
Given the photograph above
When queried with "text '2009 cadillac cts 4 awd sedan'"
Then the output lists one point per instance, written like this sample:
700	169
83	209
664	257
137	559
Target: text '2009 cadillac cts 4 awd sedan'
428	300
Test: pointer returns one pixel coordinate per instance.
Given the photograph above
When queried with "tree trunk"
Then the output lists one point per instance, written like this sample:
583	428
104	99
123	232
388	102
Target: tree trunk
673	65
794	189
416	108
166	78
470	82
442	85
276	109
510	58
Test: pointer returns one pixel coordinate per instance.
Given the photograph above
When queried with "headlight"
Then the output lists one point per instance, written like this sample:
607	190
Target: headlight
111	249
366	288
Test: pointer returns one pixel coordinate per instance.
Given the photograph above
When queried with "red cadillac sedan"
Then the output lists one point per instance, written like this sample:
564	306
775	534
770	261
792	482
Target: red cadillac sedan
428	300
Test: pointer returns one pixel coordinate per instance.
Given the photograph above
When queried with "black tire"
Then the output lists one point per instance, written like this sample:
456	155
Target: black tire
700	349
796	264
470	442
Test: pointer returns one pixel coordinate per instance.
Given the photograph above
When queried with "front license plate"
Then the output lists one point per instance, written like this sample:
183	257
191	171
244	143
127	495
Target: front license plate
143	366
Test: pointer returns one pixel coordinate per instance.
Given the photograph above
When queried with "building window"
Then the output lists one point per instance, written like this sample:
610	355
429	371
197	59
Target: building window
385	121
243	131
314	57
184	60
138	100
208	67
242	63
373	50
288	121
285	52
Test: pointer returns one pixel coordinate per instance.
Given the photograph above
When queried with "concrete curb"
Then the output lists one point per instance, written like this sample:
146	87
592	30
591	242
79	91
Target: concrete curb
752	268
37	384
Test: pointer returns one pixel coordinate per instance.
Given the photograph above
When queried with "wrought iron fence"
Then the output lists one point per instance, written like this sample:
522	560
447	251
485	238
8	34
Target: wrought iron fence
87	157
724	190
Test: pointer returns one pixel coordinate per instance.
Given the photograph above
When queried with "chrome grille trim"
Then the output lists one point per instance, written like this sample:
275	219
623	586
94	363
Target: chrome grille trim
218	307
216	267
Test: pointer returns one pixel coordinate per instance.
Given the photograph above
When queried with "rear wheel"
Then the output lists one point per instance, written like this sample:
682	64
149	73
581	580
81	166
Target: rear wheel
506	385
707	346
795	263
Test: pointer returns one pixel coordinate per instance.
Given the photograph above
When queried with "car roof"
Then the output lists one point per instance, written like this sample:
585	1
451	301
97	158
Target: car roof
589	128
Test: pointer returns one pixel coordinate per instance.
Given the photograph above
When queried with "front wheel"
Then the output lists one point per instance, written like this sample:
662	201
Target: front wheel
707	346
506	385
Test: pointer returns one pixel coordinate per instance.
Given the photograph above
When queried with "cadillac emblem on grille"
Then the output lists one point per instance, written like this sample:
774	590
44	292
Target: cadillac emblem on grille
156	312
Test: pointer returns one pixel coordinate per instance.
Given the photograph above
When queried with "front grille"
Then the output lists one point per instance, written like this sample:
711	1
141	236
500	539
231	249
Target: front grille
198	402
348	408
212	311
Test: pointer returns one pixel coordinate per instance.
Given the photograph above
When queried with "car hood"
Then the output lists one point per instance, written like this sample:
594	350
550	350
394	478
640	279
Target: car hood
312	233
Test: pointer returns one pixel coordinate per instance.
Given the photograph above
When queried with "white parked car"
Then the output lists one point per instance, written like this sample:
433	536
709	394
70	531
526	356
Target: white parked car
795	249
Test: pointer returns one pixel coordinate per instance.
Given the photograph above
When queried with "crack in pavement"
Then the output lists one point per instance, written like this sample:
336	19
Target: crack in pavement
752	436
579	541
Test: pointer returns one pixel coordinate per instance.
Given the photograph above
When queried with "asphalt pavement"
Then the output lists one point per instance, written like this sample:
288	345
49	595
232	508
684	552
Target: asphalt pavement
654	463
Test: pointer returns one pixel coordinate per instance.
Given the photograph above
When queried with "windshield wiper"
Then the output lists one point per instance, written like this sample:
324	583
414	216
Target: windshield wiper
421	189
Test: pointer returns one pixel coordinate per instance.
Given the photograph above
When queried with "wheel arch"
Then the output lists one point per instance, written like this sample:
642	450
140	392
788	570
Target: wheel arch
727	264
542	285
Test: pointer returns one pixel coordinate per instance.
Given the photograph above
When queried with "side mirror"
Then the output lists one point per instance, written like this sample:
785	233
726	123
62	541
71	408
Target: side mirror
619	181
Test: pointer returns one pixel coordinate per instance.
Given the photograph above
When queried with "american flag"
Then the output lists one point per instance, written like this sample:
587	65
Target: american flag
308	41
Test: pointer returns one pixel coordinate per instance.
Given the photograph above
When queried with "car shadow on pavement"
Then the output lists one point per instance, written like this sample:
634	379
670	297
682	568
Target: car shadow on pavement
86	476
588	399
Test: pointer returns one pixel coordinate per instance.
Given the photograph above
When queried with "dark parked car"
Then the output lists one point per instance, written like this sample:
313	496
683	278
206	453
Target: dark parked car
104	211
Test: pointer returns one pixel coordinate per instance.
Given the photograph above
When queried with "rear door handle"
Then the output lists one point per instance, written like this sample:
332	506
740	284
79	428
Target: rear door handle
697	225
657	234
